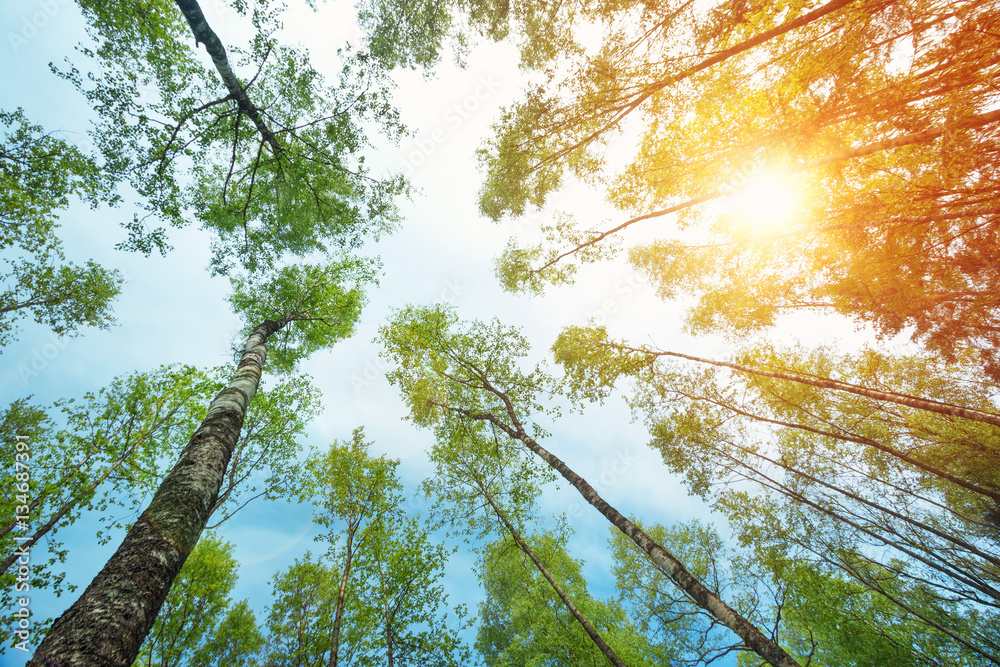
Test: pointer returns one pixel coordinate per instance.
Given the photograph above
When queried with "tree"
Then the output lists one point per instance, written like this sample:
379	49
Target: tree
39	173
875	486
267	155
881	114
100	455
521	621
400	575
475	472
300	617
236	640
356	490
120	604
472	375
118	435
384	602
824	617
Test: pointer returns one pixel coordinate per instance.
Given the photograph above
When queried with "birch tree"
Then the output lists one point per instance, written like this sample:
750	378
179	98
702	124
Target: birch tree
446	371
874	488
266	151
522	622
313	307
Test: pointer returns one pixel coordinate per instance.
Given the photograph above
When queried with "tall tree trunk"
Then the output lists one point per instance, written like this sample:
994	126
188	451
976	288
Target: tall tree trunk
341	595
926	404
387	617
588	627
108	623
756	640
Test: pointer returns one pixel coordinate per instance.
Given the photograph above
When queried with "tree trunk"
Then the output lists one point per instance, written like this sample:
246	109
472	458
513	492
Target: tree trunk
341	595
704	598
908	400
577	614
204	34
108	623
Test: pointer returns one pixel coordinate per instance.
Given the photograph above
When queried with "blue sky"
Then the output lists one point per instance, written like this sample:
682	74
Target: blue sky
172	311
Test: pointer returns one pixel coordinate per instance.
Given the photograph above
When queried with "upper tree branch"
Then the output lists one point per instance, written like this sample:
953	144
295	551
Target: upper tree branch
204	34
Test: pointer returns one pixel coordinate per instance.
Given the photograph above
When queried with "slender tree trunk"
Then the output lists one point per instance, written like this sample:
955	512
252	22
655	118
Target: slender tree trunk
341	595
108	623
588	627
908	400
861	440
934	559
756	640
387	617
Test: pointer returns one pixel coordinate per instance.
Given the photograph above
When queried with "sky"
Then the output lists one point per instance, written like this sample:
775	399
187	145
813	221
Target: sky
172	311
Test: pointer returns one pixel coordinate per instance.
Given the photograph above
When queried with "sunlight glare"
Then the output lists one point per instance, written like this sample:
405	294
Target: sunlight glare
769	201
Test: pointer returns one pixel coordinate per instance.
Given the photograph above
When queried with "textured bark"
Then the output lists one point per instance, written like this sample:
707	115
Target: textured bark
588	627
204	34
756	640
106	626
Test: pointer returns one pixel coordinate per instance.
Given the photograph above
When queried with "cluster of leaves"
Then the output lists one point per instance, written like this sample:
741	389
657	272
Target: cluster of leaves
884	113
39	175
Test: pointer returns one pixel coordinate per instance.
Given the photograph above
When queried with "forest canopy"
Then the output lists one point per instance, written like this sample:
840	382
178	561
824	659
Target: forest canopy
290	382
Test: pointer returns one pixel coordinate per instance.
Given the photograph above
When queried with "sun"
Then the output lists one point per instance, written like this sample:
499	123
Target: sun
768	201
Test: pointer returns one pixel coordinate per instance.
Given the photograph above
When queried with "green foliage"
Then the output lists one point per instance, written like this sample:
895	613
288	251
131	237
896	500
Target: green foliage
400	593
39	173
300	617
290	182
191	613
379	584
406	33
265	462
523	622
102	454
350	487
678	630
440	362
873	116
236	640
865	487
318	305
63	297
